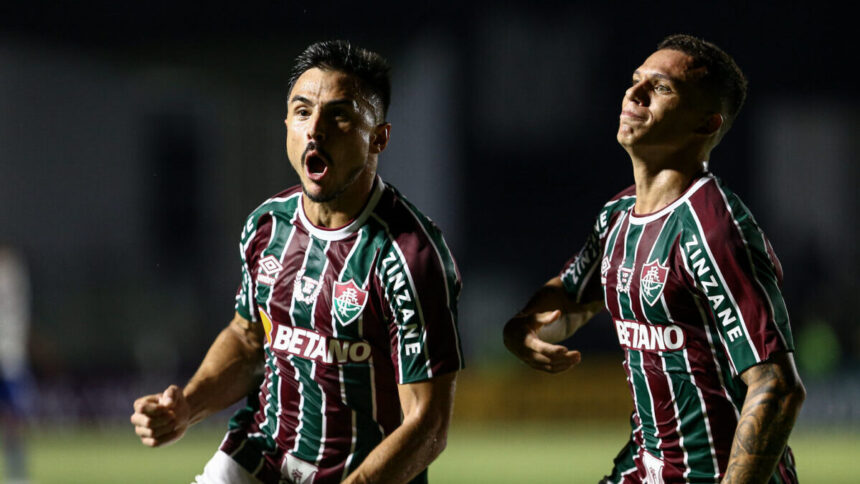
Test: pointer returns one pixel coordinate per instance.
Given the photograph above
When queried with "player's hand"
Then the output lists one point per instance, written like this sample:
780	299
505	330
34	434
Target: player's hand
521	339
161	418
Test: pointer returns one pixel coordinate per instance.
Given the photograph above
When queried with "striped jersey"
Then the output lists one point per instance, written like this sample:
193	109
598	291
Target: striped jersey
348	315
694	294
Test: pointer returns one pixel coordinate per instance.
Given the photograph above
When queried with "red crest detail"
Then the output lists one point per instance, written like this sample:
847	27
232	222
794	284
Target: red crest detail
349	301
652	280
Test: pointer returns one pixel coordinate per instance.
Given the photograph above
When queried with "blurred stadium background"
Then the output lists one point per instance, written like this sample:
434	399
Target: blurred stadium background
135	137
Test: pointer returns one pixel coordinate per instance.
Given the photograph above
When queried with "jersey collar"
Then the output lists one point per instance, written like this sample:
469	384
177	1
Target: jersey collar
350	228
644	219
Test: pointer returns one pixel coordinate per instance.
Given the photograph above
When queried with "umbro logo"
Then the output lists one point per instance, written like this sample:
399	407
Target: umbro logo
270	267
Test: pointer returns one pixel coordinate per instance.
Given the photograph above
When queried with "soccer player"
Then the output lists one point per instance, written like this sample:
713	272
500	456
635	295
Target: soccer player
345	333
692	285
15	377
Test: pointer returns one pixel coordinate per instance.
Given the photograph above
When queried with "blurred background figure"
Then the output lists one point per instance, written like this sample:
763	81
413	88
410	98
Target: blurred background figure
14	373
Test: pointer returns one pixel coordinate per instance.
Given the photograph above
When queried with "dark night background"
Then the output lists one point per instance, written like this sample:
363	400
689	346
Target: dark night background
135	137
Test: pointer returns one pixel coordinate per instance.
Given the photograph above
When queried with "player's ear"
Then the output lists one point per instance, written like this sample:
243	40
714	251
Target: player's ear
379	138
711	124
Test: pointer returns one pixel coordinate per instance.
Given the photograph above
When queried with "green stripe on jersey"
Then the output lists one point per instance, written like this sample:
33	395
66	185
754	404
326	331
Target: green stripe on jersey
358	377
638	377
357	385
309	434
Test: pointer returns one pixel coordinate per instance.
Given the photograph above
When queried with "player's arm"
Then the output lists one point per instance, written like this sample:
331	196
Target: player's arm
774	396
550	316
229	371
427	408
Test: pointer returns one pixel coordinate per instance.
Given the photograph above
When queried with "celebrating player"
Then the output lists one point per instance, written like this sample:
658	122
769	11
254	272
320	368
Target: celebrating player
347	308
692	285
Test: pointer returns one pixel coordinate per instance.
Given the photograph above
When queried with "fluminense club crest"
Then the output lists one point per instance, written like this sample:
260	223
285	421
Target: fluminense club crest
652	281
349	301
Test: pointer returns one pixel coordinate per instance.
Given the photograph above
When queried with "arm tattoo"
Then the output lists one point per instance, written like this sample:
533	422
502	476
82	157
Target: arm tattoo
773	399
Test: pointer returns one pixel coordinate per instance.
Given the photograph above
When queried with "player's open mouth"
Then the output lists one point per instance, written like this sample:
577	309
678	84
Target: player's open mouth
315	166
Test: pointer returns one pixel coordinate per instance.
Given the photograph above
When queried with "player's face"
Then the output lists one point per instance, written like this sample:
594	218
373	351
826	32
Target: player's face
331	134
663	105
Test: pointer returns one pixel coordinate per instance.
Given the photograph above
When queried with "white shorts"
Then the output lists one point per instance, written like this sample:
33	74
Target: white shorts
222	469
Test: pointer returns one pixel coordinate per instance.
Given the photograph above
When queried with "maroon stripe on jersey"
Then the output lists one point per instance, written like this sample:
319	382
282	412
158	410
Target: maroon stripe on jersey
725	242
282	293
338	431
429	278
785	468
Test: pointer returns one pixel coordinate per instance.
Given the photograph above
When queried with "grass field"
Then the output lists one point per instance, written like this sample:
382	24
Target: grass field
504	453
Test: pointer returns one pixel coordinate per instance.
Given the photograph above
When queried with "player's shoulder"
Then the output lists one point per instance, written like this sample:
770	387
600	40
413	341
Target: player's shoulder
714	210
282	205
409	228
401	217
285	202
621	200
619	203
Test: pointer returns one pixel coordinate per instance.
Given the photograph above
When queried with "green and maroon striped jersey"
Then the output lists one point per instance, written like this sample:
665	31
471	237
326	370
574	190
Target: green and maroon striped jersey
694	295
348	315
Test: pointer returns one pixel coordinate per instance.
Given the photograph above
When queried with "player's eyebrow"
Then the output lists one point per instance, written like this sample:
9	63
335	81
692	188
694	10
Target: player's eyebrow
301	99
343	101
335	102
657	75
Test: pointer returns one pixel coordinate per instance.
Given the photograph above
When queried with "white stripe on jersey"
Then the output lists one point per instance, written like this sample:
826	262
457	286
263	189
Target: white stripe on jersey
705	414
351	448
586	279
723	280
313	308
249	281
301	415
322	414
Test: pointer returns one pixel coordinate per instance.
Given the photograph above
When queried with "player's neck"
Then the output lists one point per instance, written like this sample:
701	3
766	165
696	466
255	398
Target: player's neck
344	208
658	186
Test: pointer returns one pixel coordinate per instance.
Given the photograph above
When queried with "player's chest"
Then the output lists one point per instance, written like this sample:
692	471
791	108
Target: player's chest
639	271
307	282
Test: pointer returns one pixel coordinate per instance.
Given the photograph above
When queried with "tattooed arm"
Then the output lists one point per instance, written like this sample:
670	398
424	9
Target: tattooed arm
774	396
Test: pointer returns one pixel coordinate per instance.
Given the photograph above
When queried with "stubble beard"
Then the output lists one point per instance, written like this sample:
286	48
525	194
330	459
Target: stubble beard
331	196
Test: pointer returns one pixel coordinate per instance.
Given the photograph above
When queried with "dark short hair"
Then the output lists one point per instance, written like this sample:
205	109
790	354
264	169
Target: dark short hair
723	78
370	69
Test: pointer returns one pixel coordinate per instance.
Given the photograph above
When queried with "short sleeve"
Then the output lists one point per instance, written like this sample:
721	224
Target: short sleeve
580	274
251	245
421	285
733	265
